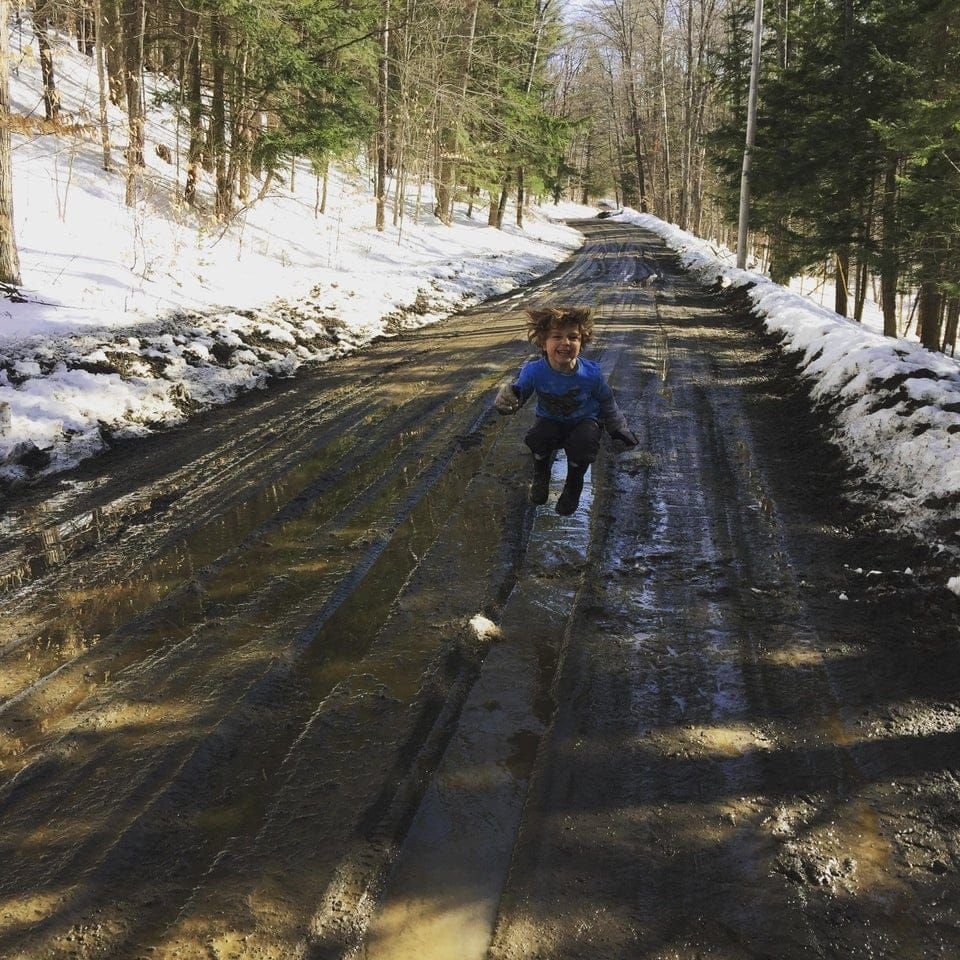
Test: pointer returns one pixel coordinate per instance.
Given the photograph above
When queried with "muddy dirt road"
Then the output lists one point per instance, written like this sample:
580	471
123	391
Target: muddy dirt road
310	678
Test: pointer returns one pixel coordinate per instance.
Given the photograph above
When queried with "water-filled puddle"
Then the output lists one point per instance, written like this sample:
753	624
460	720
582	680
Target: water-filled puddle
441	900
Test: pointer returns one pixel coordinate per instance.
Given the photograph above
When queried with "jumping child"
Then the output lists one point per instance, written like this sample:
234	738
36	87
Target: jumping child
573	400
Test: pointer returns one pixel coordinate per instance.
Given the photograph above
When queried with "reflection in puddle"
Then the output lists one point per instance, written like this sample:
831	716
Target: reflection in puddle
285	567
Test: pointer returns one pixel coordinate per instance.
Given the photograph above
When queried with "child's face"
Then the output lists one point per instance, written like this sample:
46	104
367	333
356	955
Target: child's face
562	347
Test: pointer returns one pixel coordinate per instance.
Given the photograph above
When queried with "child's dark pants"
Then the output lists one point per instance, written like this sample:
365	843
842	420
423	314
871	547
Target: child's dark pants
580	439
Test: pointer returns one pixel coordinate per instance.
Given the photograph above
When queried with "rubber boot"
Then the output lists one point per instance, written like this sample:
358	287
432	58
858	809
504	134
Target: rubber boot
540	485
570	495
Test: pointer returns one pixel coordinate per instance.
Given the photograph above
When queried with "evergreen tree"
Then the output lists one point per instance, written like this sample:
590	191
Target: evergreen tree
858	150
817	155
924	134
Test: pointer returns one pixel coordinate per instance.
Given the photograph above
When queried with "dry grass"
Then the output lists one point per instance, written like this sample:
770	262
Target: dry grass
38	126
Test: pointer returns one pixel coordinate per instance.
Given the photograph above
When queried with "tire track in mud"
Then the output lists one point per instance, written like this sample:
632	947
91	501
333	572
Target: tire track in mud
705	788
125	791
156	839
265	591
273	668
264	688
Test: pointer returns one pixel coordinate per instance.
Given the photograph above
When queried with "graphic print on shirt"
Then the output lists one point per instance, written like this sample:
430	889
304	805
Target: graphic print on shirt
560	405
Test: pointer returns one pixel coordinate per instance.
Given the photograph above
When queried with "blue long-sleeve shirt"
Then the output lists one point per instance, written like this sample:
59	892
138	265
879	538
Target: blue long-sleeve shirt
582	394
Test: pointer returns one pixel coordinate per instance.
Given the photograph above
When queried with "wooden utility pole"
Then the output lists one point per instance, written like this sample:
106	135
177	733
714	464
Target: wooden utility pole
744	222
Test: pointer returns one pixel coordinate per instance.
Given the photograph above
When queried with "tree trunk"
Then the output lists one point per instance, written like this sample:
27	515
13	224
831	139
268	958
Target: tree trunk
950	332
638	151
87	28
265	186
841	274
616	134
450	137
51	98
521	196
9	257
928	314
260	124
238	167
444	205
133	21
667	205
400	175
502	206
889	272
585	195
383	89
538	24
696	213
686	155
218	117
860	289
700	97
194	91
325	187
99	55
111	20
778	268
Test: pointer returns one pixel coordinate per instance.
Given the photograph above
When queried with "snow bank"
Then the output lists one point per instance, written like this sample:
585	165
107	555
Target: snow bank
895	405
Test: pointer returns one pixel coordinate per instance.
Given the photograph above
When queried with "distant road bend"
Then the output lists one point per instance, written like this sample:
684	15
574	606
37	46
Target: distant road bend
309	678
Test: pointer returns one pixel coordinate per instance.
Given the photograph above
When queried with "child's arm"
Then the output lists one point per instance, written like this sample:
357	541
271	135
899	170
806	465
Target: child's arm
613	420
508	400
512	396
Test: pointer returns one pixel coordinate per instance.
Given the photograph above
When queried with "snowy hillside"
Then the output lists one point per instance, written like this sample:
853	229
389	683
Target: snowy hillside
132	318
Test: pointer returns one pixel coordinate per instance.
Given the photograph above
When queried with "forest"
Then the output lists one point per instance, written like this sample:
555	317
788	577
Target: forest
855	173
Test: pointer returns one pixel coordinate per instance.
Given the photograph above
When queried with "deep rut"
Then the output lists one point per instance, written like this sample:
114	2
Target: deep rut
207	632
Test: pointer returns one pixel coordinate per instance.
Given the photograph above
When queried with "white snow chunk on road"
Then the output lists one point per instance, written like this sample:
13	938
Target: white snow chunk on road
484	628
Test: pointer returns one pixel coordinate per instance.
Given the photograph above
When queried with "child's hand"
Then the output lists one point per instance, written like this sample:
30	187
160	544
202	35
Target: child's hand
507	401
624	439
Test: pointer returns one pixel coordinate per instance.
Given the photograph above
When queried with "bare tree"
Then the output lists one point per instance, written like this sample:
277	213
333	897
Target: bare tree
99	56
620	25
660	18
9	258
660	95
51	98
134	13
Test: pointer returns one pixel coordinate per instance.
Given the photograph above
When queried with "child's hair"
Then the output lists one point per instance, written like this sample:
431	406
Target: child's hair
541	322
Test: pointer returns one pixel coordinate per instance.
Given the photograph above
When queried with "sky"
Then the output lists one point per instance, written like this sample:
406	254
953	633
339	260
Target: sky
133	317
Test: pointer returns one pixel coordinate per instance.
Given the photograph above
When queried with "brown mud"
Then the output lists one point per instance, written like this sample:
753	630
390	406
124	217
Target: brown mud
308	677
